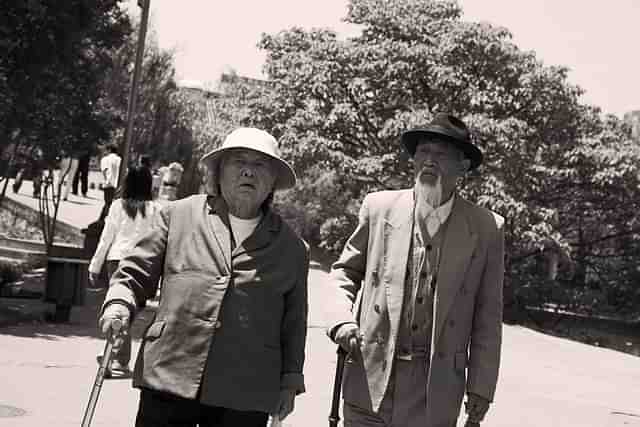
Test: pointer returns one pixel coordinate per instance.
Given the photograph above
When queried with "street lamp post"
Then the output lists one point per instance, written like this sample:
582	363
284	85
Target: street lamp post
133	92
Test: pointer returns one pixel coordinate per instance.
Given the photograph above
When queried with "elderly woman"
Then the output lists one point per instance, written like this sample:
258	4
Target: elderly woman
226	347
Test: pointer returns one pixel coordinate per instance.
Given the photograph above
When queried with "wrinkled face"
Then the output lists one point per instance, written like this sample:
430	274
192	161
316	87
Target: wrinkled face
246	179
438	160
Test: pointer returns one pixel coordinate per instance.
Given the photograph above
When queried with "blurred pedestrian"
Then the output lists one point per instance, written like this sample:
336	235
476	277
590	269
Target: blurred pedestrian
129	217
68	167
110	168
82	174
426	269
226	346
171	178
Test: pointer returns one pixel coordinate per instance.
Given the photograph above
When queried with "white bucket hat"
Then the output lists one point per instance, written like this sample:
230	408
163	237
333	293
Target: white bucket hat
256	140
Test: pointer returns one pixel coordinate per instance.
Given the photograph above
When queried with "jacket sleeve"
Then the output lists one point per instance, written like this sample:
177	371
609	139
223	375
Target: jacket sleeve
138	274
486	333
348	272
294	331
107	237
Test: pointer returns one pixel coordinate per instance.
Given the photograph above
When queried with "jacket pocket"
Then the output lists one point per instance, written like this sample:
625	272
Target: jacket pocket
155	330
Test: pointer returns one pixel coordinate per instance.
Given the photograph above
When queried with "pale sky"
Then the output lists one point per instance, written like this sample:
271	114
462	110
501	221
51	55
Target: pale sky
599	41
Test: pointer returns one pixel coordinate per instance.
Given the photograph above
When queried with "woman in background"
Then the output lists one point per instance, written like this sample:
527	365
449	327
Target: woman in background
128	219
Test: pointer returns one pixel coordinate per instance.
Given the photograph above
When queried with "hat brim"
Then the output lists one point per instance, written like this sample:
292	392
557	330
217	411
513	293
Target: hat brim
411	138
285	175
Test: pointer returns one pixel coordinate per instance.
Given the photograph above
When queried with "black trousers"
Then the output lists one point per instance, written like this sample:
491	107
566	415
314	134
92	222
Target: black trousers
109	195
158	409
81	176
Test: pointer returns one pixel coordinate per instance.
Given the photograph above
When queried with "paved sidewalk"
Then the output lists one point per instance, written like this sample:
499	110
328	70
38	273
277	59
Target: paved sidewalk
48	371
77	211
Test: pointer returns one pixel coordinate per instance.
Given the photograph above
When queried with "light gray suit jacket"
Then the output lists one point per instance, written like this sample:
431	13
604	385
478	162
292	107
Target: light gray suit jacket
467	326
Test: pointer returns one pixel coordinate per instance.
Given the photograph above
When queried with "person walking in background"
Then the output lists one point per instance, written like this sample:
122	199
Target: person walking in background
226	346
129	217
426	267
171	177
82	175
110	167
68	167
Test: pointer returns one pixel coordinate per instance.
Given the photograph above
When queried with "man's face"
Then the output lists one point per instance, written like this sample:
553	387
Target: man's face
437	160
246	179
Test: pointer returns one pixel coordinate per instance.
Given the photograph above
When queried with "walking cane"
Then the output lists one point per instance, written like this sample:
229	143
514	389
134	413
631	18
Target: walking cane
116	325
334	416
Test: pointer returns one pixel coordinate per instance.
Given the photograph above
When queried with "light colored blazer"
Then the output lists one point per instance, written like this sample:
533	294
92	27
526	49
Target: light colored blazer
467	326
263	348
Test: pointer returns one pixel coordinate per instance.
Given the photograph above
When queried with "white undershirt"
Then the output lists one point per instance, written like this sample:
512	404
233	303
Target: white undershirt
242	228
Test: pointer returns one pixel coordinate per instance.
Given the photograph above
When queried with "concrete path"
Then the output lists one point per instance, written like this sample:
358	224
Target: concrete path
48	370
77	211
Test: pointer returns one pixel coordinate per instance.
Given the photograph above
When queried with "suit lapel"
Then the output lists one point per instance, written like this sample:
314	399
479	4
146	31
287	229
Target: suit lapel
219	227
397	240
457	250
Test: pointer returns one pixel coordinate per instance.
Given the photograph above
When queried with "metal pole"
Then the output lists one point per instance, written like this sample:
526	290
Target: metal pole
133	93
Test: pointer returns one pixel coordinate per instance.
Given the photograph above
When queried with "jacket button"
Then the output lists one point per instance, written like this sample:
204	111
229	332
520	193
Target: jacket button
440	355
376	308
452	323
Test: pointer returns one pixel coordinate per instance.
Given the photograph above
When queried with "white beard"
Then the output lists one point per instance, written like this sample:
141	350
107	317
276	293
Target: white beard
428	193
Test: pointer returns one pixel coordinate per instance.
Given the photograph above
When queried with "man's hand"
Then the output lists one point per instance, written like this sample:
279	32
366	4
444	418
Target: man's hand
348	337
113	311
94	279
286	403
476	408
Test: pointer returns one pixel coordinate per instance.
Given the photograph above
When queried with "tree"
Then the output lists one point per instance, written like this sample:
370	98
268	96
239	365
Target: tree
338	107
50	74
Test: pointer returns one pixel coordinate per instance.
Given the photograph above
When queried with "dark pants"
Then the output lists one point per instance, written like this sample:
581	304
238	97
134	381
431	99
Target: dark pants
158	409
82	176
109	195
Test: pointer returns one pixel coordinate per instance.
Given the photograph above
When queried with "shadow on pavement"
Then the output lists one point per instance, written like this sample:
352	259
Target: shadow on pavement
27	318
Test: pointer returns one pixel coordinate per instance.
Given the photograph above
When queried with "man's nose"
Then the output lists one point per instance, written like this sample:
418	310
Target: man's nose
246	173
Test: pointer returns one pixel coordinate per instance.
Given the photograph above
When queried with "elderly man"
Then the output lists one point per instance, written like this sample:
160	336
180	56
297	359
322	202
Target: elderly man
226	346
419	286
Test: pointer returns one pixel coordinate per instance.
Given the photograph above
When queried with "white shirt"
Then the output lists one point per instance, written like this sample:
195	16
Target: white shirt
242	228
436	217
110	167
121	233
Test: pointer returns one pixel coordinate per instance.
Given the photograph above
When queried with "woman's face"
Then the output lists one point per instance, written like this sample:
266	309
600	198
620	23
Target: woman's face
247	178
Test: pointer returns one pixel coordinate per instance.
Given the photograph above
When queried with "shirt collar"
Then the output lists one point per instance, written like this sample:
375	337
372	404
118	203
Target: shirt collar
444	210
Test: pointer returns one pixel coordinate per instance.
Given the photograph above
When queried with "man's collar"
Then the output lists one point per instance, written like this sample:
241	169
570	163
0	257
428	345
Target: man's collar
443	211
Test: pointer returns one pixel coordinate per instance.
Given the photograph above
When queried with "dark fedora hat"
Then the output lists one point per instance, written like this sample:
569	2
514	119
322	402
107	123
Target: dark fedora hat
449	128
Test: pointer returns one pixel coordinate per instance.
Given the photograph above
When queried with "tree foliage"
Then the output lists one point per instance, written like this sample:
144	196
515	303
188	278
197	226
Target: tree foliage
564	176
53	58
